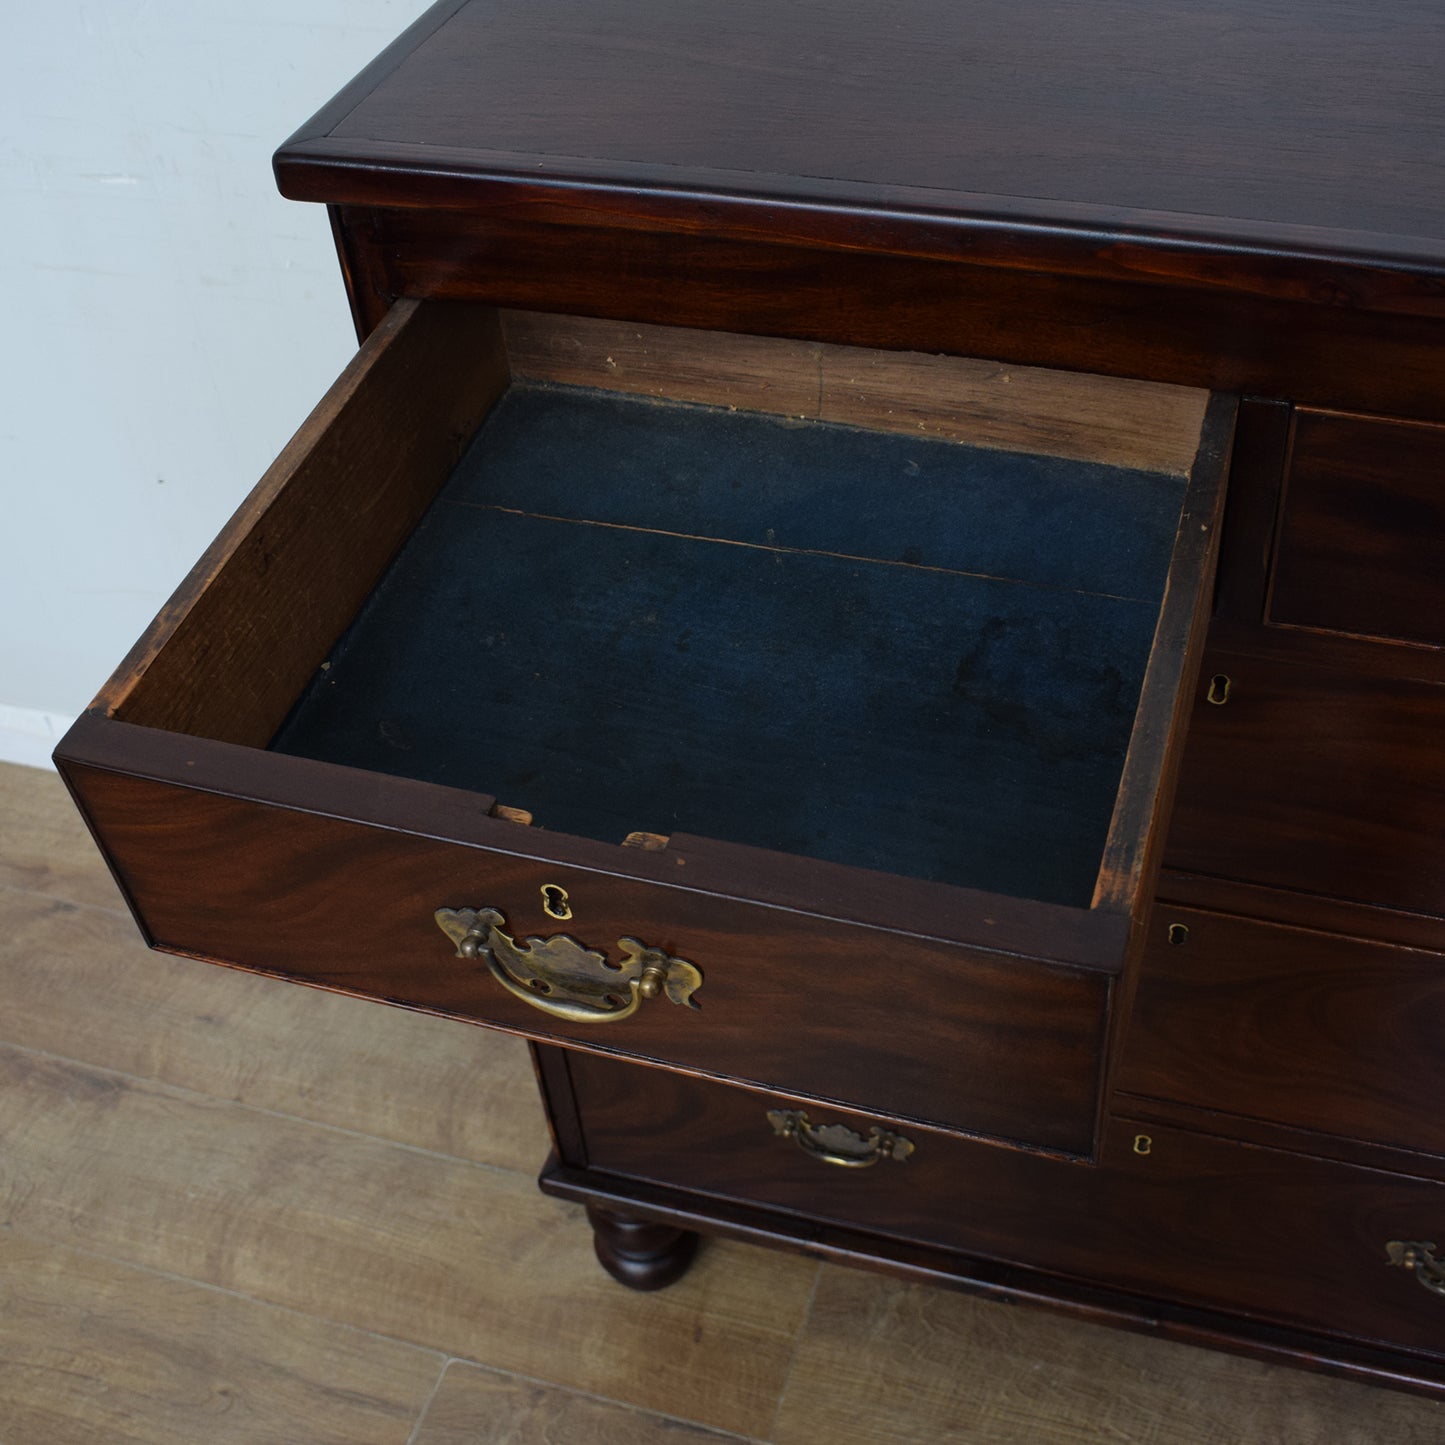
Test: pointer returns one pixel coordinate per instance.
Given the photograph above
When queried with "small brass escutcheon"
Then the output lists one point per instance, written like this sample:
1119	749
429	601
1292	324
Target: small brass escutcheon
555	903
1418	1256
1218	691
838	1144
565	978
1178	934
1143	1144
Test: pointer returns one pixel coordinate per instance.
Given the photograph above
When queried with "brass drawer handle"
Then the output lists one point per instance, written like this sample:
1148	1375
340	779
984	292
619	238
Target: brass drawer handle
562	977
838	1144
1418	1256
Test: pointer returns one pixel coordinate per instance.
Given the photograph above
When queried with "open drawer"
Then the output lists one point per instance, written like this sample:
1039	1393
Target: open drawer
788	714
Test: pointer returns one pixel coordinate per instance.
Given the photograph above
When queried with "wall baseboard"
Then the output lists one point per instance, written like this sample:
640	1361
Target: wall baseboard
28	735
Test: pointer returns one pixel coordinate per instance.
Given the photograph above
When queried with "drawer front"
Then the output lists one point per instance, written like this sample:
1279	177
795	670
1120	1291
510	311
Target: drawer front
1361	545
1291	1239
1316	780
1313	1030
971	1040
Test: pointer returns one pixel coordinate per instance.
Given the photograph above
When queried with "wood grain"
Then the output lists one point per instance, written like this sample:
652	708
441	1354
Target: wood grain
786	997
1091	939
98	1353
44	846
1319	780
1292	1026
226	657
1360	531
1156	743
1137	424
1102	315
973	1371
1165	1226
986	133
474	1406
419	1248
80	983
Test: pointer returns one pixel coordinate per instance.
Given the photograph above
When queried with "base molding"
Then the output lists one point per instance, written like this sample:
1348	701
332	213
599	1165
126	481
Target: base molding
993	1279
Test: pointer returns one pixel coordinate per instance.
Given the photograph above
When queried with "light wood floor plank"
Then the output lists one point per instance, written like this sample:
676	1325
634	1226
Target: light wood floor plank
44	845
881	1362
79	982
422	1248
97	1353
475	1406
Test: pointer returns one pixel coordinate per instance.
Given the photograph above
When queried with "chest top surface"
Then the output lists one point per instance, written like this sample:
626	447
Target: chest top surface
1308	126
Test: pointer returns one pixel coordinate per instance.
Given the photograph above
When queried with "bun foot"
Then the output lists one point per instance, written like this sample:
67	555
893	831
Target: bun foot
638	1253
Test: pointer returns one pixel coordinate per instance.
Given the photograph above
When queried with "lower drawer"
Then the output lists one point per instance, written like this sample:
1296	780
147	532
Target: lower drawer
1285	1238
1291	1026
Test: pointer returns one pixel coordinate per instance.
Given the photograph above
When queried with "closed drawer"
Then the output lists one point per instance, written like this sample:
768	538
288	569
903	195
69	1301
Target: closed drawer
559	663
1361	545
1285	1238
1315	779
1312	1030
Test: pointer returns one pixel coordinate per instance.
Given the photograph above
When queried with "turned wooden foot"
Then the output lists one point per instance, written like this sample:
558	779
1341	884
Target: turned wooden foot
638	1253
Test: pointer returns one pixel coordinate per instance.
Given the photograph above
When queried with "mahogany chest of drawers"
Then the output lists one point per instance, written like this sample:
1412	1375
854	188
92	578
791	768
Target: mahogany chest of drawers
876	589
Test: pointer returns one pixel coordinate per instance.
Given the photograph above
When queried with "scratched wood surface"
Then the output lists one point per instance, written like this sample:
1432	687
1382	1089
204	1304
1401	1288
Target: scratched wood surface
240	1211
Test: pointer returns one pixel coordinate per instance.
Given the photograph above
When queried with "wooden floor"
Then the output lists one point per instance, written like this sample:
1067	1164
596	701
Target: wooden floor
234	1210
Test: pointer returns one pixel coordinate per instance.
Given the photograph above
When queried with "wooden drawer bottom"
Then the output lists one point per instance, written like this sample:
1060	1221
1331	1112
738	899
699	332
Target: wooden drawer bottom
1286	1239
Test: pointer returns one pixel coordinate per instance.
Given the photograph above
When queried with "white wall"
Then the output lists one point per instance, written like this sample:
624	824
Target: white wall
169	318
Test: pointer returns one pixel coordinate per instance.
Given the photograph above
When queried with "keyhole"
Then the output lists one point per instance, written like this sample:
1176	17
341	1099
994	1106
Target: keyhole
1143	1144
554	902
1219	686
1178	934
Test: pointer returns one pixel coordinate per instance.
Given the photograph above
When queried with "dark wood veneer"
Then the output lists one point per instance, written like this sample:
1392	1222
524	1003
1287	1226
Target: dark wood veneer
1313	1030
1316	780
1295	1239
1361	547
1222	337
785	998
1207	148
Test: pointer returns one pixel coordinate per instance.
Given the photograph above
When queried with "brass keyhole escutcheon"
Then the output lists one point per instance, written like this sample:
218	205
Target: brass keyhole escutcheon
554	902
1143	1144
1178	934
1219	686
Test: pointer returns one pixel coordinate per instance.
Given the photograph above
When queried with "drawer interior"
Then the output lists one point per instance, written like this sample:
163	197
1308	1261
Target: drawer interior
903	652
923	616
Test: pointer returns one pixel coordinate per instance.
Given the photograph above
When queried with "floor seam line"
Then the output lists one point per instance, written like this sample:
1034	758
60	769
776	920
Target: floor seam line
793	1356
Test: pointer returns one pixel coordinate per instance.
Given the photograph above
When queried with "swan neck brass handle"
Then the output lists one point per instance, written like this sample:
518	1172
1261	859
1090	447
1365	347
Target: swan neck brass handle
838	1144
1418	1256
564	978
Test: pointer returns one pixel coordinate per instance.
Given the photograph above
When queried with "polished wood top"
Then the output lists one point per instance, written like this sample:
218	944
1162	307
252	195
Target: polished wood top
1314	127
